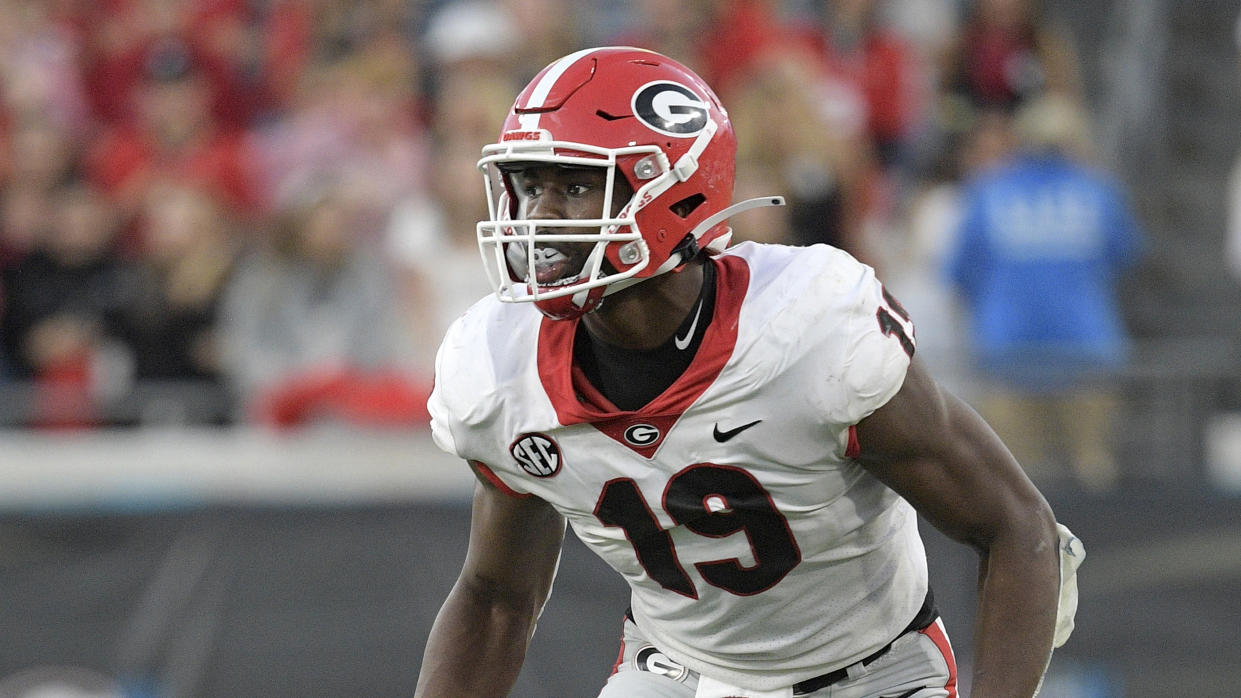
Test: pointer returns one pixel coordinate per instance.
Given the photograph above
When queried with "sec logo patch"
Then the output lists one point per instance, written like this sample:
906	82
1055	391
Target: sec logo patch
537	454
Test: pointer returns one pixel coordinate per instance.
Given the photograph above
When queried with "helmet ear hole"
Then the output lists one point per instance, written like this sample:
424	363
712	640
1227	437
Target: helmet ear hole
686	206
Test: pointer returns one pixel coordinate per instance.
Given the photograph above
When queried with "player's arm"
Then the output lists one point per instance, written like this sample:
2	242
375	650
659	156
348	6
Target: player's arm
935	451
479	639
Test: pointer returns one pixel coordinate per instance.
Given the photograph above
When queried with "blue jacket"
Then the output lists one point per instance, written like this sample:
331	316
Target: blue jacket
1041	243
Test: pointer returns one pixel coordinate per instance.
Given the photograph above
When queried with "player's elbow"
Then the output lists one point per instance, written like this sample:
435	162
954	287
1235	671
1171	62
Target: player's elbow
1040	521
1028	526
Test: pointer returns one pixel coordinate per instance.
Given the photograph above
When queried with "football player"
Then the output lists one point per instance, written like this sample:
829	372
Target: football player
742	433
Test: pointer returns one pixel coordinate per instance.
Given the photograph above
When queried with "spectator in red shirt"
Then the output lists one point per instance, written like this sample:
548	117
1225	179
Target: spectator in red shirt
173	136
859	48
721	41
1007	53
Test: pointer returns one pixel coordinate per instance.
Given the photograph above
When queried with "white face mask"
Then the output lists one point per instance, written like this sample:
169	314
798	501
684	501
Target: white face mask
534	259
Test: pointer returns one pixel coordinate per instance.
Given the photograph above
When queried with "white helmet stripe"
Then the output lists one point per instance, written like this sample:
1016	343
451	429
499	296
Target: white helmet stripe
530	122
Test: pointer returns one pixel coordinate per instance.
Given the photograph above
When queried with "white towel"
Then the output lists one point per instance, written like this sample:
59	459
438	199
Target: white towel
1072	552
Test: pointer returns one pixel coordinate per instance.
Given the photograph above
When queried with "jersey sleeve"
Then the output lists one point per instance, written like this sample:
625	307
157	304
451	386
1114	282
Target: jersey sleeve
442	405
464	399
466	404
862	340
881	348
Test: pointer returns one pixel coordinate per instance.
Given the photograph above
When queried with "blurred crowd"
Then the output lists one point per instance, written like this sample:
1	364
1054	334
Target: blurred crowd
274	201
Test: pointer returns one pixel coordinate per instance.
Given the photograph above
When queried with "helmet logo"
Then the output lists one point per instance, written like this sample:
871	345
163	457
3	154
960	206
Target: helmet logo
670	108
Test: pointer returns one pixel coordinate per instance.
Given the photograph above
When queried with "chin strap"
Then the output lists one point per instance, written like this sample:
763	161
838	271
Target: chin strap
687	251
711	221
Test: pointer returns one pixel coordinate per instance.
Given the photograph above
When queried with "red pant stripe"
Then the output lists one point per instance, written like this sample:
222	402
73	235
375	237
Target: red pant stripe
935	631
620	657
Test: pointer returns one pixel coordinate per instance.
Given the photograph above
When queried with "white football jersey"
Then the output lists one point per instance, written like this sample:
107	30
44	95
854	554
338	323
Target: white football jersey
758	551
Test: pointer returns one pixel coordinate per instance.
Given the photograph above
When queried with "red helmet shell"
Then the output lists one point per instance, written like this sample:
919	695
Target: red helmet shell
620	97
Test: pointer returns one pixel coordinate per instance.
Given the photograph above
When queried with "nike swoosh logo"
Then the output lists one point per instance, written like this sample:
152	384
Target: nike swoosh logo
683	342
723	436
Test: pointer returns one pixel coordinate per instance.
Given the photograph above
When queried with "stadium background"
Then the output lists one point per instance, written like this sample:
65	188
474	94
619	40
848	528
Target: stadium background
201	560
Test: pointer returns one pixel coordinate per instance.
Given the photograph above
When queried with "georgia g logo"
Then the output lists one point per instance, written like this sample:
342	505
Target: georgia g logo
649	658
670	108
642	434
537	454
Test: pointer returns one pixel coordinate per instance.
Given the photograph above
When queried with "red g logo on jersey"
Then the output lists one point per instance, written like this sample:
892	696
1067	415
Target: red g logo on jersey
537	454
642	434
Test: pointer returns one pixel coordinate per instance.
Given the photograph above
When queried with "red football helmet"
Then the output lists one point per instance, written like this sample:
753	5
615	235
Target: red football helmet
641	116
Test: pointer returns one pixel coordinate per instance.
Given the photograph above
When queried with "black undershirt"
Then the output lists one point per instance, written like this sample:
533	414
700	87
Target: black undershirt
631	378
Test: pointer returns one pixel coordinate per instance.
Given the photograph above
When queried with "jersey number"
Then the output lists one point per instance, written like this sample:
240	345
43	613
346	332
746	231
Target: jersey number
892	327
710	500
